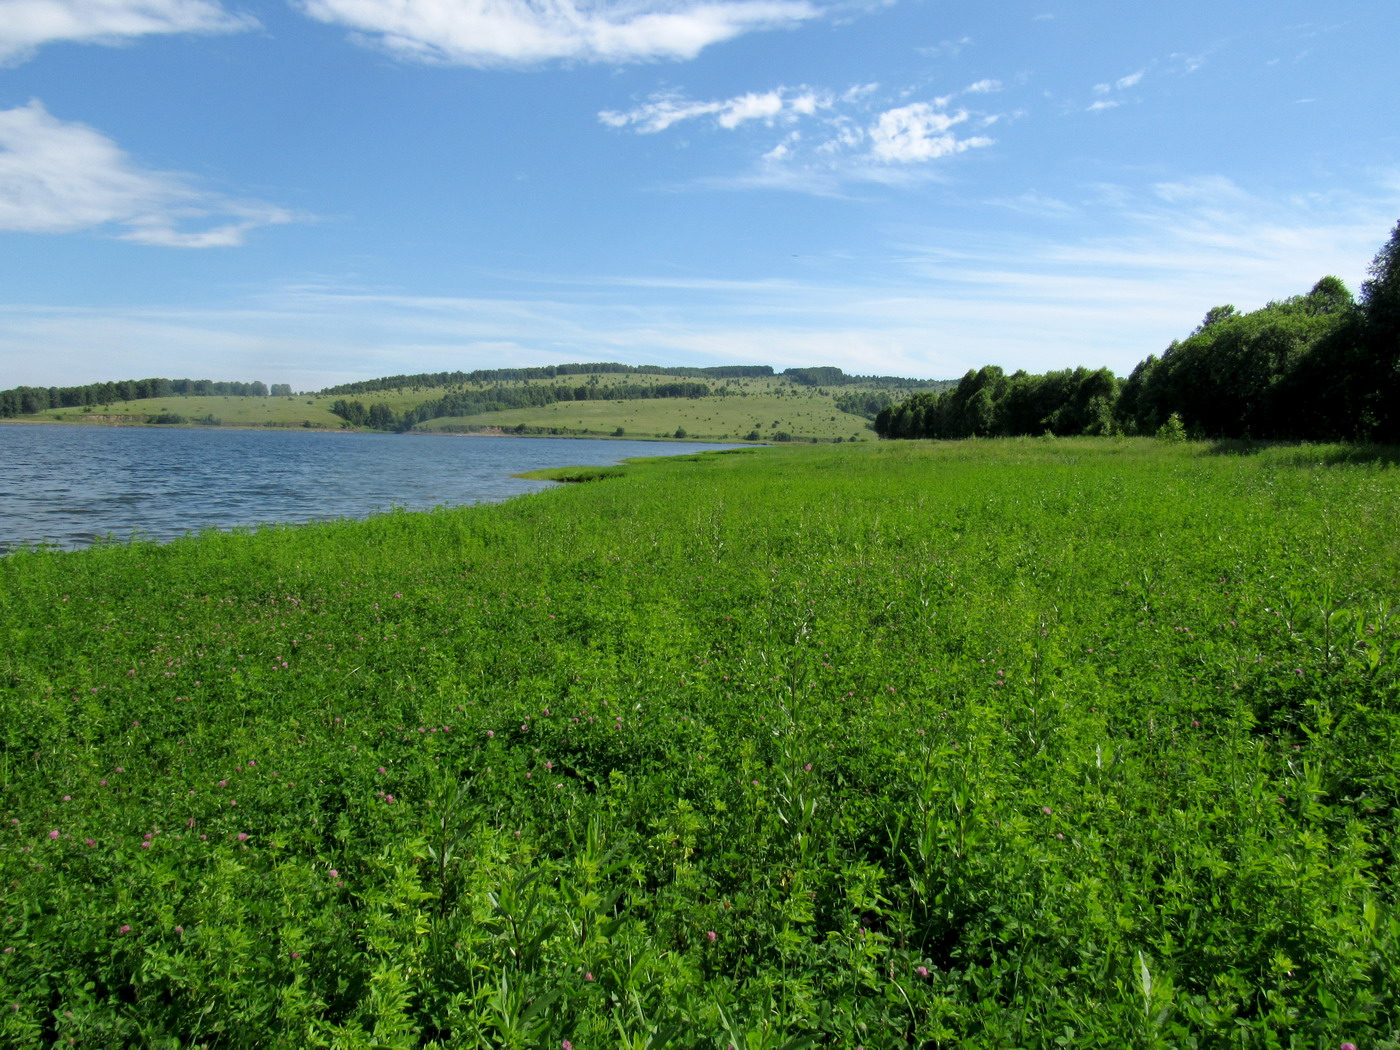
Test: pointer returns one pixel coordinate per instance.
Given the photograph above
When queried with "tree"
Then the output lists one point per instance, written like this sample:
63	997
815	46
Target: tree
1380	310
1214	316
1380	292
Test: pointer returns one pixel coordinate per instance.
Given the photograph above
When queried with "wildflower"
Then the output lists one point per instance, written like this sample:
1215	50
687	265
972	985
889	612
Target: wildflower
567	1045
1347	1046
334	874
922	971
124	929
54	834
89	842
242	836
588	975
712	936
1046	810
180	930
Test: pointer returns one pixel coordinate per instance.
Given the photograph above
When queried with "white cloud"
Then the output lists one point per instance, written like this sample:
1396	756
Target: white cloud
1131	80
983	87
60	177
852	140
25	25
523	32
945	48
1102	104
919	132
665	110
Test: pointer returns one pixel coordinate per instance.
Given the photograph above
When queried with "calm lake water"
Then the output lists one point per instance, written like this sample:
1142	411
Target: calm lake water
69	486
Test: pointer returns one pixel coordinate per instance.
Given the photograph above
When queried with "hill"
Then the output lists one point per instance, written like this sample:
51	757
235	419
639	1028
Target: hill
731	403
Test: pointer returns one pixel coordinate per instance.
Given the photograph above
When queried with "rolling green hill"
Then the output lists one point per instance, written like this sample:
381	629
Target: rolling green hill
757	407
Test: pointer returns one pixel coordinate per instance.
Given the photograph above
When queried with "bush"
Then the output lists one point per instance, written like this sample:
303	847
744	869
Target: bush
1173	430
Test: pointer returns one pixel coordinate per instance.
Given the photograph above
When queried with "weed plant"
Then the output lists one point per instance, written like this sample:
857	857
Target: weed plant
1078	743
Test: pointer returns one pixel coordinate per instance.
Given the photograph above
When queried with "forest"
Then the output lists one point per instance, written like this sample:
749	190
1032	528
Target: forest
27	400
1321	366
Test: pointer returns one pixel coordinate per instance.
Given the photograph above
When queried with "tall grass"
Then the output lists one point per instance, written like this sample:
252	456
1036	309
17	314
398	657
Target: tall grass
1025	743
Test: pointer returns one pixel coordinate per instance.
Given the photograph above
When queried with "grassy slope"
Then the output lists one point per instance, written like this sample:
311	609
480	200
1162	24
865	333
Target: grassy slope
712	417
1024	743
767	405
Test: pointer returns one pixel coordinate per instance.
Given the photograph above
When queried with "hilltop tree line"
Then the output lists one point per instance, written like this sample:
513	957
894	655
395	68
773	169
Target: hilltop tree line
497	399
1320	366
26	400
483	376
820	376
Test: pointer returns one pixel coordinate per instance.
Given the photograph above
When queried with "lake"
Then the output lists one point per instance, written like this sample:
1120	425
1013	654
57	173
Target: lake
70	486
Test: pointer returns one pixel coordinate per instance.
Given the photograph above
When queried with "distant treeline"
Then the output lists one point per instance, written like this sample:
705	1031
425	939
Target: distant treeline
26	400
820	376
1321	366
827	375
498	399
525	375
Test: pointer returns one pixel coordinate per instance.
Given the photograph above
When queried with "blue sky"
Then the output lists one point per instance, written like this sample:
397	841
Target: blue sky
316	191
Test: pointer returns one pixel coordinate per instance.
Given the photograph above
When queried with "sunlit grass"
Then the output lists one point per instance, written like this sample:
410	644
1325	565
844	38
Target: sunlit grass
1014	743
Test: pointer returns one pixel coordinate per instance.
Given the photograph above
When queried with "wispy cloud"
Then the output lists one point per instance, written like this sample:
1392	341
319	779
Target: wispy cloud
520	32
26	25
663	111
828	137
1105	91
60	177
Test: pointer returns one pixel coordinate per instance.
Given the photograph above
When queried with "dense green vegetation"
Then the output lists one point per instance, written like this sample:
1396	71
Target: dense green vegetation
1319	366
28	400
1085	743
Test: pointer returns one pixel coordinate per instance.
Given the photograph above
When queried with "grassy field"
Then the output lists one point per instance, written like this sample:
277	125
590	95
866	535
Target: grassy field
765	405
800	415
293	411
1081	743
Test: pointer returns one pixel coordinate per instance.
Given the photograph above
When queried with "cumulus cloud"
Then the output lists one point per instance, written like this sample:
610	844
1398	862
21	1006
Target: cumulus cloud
983	87
523	32
26	25
60	177
918	132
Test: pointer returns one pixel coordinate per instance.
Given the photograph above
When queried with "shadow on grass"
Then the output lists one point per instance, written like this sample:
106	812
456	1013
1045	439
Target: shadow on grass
1304	454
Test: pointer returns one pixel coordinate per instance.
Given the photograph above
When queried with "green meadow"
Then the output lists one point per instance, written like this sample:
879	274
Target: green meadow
801	416
309	410
765	406
1019	743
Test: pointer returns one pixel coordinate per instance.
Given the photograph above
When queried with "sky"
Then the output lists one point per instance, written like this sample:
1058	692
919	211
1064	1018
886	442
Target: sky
319	191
